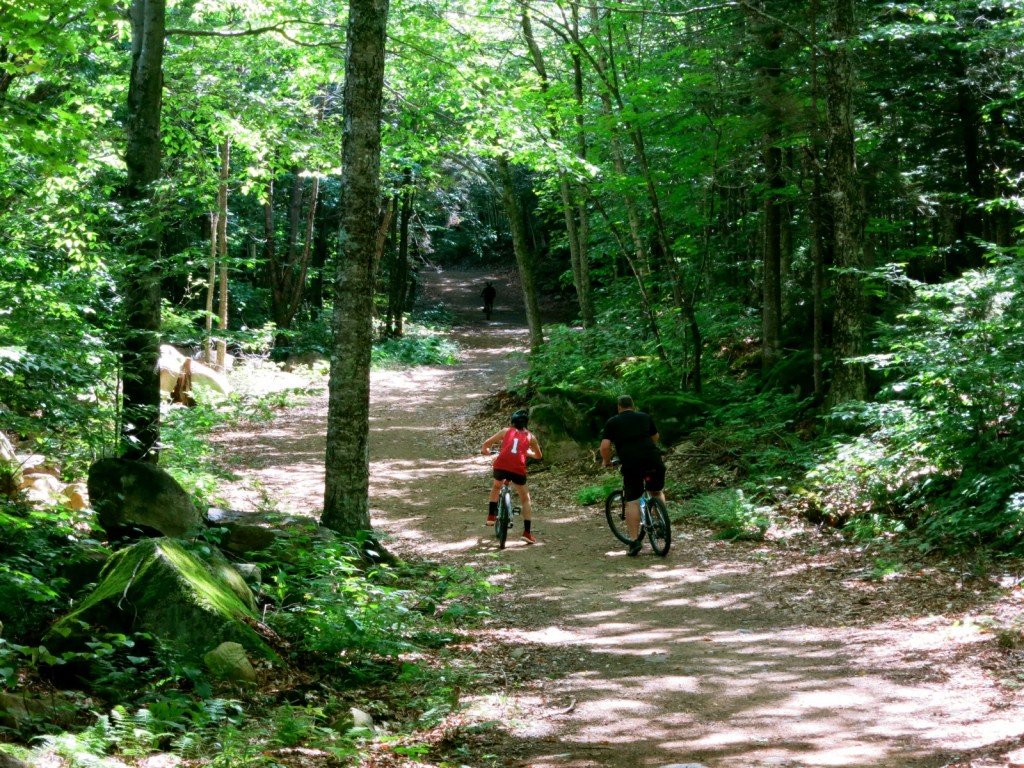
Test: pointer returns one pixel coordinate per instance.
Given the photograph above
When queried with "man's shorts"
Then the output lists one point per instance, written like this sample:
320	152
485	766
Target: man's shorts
634	480
512	477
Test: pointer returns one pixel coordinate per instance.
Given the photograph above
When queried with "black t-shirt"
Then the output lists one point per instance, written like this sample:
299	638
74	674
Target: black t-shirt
631	433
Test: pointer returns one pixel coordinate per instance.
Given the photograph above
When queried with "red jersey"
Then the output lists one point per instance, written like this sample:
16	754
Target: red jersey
514	445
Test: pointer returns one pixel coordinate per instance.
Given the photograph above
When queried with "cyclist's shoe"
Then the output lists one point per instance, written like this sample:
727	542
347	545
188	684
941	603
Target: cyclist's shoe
491	519
634	548
528	537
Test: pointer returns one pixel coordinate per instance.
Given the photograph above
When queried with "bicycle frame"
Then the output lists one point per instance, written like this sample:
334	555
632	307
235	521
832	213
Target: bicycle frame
506	510
654	520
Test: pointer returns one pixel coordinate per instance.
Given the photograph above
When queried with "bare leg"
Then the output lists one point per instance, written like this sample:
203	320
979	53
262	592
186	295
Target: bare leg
633	518
524	500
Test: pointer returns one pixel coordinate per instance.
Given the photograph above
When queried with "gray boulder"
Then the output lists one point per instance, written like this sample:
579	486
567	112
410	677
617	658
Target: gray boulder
244	532
134	495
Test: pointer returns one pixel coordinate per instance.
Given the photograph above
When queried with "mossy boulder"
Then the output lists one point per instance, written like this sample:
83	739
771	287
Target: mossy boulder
582	413
158	586
675	416
556	443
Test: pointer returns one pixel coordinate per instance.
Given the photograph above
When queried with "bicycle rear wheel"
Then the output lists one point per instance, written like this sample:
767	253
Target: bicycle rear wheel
504	520
615	511
661	528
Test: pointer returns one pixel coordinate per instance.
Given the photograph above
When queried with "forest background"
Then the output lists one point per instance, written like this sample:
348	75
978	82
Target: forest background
802	222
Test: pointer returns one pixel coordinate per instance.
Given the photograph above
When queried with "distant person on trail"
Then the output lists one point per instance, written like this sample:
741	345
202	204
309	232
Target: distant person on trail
516	444
488	294
635	438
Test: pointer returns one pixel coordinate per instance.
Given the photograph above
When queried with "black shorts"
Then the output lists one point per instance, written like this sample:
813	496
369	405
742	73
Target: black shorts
512	477
634	479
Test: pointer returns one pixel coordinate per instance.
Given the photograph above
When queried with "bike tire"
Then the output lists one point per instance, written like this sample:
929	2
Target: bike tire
504	519
615	512
660	534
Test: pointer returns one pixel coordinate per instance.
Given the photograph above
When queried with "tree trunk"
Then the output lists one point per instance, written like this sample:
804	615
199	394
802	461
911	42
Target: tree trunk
140	429
766	38
524	256
211	288
400	267
817	214
222	252
849	381
288	273
577	246
346	493
771	304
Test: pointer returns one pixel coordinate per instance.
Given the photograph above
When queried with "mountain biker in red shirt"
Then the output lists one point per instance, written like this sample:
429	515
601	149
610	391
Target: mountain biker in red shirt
517	442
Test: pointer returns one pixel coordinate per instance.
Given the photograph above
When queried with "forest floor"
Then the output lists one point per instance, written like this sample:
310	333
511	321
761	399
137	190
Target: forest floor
798	650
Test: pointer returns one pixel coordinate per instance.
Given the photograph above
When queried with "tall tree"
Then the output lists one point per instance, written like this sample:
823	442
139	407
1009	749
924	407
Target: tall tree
141	350
523	253
849	382
346	494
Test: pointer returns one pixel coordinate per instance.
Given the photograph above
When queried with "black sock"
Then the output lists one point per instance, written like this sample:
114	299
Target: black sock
492	508
526	526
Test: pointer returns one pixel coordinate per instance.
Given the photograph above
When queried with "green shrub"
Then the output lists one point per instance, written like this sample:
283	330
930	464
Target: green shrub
732	513
596	494
417	347
940	455
39	550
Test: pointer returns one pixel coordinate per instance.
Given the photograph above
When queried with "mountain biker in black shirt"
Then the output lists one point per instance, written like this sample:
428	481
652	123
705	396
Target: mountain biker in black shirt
635	438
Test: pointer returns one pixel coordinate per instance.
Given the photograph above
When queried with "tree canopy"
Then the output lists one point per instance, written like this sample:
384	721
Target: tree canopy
747	199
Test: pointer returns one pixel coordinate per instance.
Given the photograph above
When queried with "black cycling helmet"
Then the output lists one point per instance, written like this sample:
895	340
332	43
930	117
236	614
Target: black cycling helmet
520	418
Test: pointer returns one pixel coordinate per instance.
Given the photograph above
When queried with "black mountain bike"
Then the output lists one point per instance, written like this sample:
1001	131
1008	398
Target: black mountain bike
503	521
654	522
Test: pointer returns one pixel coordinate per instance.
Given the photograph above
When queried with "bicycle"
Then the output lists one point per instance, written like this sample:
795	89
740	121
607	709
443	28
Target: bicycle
654	520
506	509
503	520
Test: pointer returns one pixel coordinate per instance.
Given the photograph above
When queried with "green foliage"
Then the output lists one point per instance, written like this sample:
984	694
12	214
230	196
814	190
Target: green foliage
39	549
332	606
596	494
732	513
418	346
941	455
578	359
435	317
310	334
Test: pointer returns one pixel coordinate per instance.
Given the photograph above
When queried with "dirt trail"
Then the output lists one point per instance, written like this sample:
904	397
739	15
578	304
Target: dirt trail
726	655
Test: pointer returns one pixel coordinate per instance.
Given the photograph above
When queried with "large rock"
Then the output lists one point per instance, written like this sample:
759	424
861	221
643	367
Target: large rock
675	416
172	365
133	494
159	587
244	532
583	414
556	443
228	661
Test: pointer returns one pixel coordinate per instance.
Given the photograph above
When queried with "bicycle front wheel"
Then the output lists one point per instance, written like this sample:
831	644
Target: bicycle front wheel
660	533
504	520
615	511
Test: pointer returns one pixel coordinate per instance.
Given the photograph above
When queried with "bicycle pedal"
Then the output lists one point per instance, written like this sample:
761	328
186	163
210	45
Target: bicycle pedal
517	511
